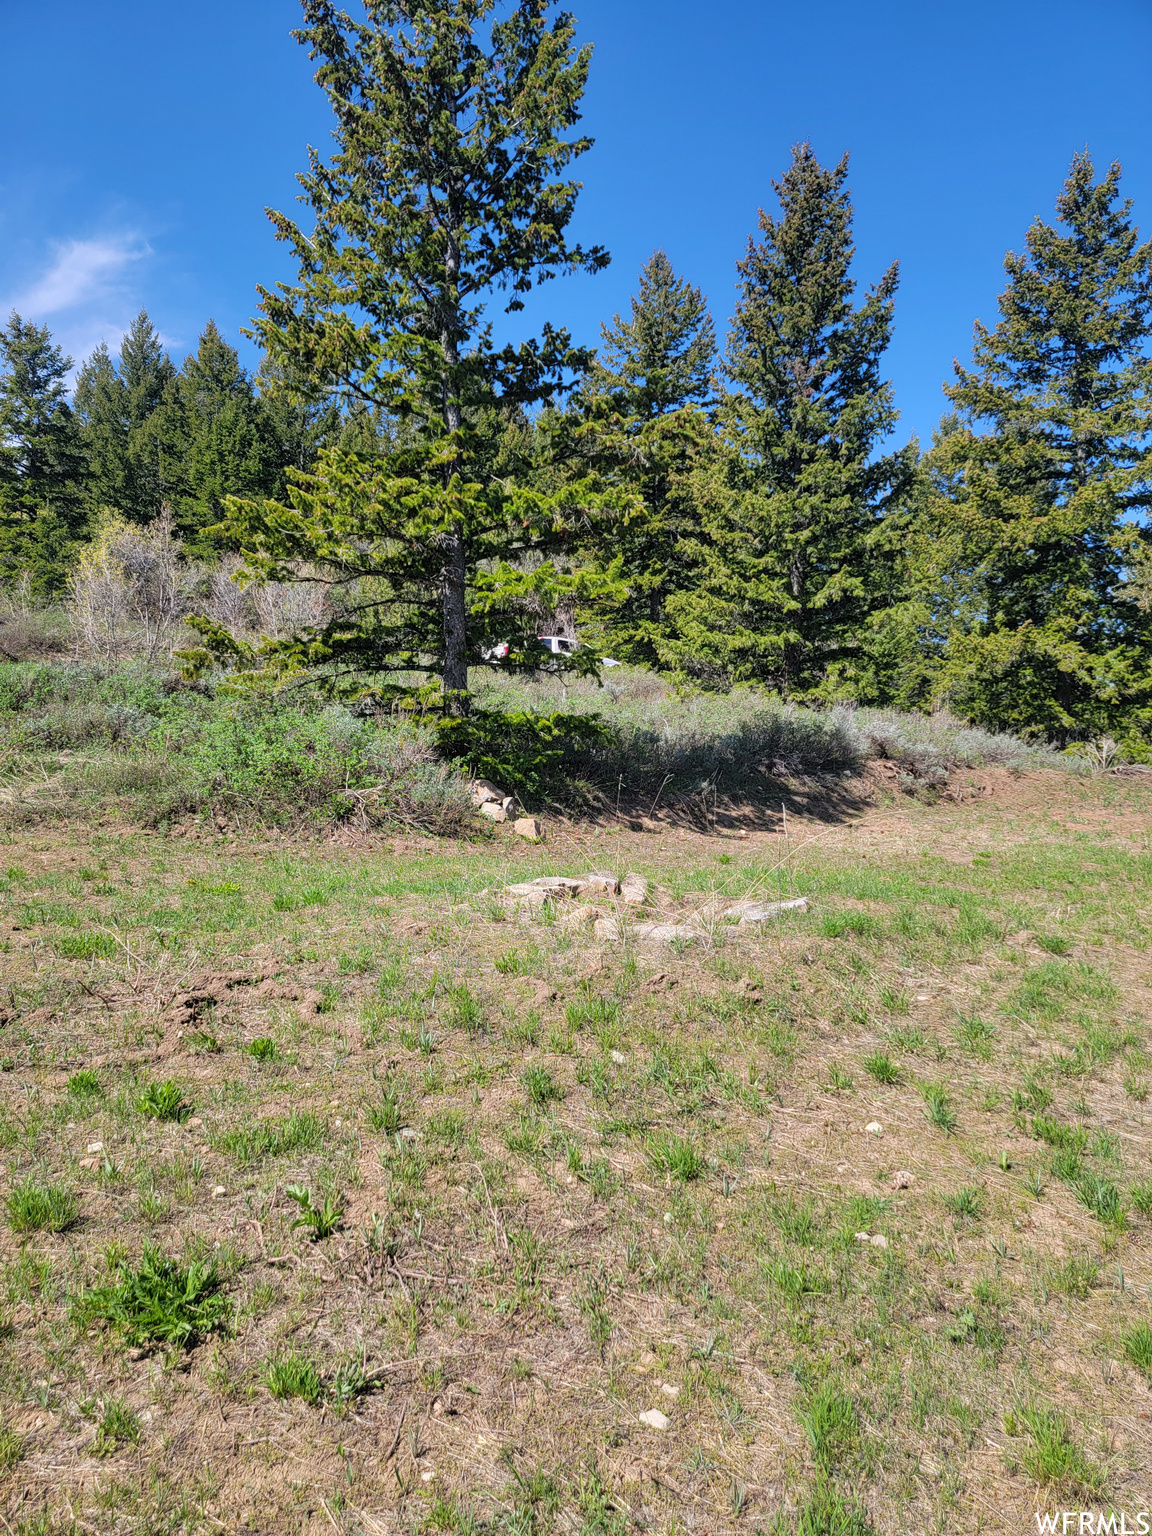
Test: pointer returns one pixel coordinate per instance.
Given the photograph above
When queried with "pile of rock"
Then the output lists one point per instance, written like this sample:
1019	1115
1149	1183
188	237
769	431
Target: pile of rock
494	805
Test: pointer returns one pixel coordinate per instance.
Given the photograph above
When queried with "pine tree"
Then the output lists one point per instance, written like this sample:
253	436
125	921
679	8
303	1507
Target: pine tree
101	411
444	190
42	459
790	575
643	427
146	371
208	439
1041	487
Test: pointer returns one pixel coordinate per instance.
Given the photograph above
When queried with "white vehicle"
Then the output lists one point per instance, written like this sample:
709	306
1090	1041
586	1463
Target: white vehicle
558	645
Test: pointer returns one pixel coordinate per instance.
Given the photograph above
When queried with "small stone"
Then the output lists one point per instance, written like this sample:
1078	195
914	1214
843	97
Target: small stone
89	1162
669	1390
634	889
667	1215
878	1240
493	811
863	1237
408	1134
528	828
483	791
195	1123
902	1179
655	1419
618	1057
426	1477
874	1128
219	1192
95	1146
607	884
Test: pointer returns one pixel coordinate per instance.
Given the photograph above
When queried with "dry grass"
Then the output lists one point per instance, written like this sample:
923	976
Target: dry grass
557	1183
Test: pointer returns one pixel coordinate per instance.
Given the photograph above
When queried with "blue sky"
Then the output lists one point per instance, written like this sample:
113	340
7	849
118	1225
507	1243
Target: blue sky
140	142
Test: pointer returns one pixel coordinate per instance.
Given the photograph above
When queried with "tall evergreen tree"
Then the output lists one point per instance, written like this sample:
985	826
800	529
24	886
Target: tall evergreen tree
115	404
445	190
101	411
42	459
643	427
208	438
146	371
1041	487
789	572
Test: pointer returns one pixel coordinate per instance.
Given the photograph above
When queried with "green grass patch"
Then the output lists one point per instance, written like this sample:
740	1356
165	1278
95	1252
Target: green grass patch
36	1207
299	1131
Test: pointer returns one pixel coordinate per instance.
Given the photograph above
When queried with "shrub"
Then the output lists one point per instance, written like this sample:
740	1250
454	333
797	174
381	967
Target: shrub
36	1207
518	749
159	1302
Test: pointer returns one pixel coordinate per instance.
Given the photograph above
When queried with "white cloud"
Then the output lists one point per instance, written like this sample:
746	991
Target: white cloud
83	270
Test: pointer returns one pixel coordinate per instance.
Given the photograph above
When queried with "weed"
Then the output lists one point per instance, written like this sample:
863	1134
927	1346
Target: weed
1032	1096
164	1101
263	1049
894	999
835	925
85	1084
1053	1458
526	1136
117	1425
676	1156
831	1422
34	1207
1075	1277
386	1114
467	1012
966	1204
542	1088
1053	945
1138	1348
299	1131
1141	1197
11	1447
838	1079
592	1308
976	1035
1034	1183
347	1384
159	1302
1102	1198
321	1220
796	1280
291	1374
86	946
909	1037
938	1107
827	1513
882	1068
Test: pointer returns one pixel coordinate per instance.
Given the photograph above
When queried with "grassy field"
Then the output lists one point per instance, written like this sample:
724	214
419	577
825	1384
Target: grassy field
342	1194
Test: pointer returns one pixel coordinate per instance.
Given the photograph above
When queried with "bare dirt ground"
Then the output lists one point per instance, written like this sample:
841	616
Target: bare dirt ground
831	1222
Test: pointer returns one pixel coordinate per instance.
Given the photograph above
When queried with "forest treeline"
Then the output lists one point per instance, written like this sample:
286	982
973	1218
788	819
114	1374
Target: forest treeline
733	510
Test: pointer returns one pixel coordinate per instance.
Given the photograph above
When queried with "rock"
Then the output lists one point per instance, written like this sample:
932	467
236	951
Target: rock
559	885
669	1390
634	889
408	1134
874	1128
619	1058
483	791
878	1240
606	885
606	929
669	933
764	911
195	1123
902	1179
89	1162
528	827
655	1419
95	1146
510	805
863	1237
219	1192
493	811
749	990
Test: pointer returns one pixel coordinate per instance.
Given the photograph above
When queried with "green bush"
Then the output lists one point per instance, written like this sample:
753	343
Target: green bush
518	749
159	1302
